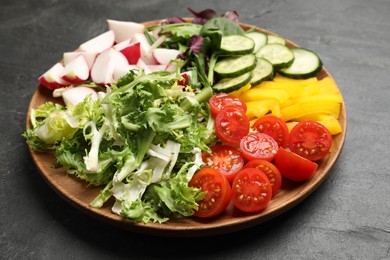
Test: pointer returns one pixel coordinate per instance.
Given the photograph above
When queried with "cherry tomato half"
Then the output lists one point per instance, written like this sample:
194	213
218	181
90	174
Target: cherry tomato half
251	190
218	190
258	146
274	127
226	159
294	167
221	100
231	125
273	174
310	140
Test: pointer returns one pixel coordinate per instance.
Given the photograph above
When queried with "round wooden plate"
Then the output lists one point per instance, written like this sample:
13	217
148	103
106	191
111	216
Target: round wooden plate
80	194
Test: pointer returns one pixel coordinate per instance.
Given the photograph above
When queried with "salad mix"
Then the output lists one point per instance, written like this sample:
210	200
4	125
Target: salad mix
173	120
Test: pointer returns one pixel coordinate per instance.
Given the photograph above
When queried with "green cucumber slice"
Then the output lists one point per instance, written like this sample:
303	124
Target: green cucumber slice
271	38
235	66
227	85
260	39
236	45
279	55
263	71
305	65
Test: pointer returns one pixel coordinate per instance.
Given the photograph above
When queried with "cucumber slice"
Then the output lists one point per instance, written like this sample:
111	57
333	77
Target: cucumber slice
235	66
271	38
236	45
227	85
306	64
279	55
259	38
263	71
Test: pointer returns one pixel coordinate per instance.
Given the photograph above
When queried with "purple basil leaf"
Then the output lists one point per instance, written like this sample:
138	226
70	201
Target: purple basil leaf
196	43
175	20
231	15
203	16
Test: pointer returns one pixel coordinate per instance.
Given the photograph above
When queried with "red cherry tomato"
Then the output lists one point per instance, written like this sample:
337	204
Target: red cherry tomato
258	146
294	167
218	190
220	101
310	140
231	125
273	174
274	127
251	190
226	159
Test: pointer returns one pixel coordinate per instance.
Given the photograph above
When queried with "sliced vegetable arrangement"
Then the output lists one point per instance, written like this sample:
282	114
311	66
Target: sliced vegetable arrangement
185	117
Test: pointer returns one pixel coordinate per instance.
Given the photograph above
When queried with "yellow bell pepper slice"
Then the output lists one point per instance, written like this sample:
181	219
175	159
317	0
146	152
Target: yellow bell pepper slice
328	86
329	121
301	82
260	108
314	98
265	93
292	89
291	124
311	89
238	92
303	109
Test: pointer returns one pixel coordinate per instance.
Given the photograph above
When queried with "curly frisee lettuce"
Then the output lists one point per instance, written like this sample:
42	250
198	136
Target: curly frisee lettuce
136	140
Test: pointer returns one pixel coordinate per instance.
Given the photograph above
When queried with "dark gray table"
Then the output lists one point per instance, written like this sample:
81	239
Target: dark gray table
347	217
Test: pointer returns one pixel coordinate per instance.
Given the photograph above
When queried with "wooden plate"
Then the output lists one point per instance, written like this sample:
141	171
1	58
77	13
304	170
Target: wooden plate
79	194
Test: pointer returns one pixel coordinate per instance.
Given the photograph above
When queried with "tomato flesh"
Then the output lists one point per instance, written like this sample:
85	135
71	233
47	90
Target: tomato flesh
258	146
310	140
273	174
218	192
274	127
221	100
251	190
226	159
294	167
231	125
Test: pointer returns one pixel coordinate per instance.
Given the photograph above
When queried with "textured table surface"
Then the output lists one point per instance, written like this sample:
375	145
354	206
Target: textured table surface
347	217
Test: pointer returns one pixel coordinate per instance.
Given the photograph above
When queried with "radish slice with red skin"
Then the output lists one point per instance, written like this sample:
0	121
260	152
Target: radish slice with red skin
125	30
76	71
164	56
132	51
73	96
146	53
99	43
52	78
103	68
141	64
88	56
121	71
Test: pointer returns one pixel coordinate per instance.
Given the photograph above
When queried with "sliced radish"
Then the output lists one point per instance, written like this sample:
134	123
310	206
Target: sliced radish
159	67
52	78
171	67
88	56
120	71
164	56
120	45
185	75
103	68
76	71
125	30
142	65
73	96
146	53
132	51
99	43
